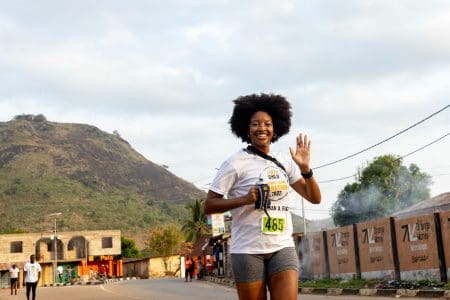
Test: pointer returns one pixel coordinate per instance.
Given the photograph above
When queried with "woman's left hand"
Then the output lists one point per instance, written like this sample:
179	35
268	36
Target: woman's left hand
301	155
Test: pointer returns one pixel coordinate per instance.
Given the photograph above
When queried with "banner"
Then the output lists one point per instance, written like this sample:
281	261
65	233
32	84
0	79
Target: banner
217	224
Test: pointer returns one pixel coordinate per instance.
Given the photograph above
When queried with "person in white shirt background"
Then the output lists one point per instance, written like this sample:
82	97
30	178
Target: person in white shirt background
60	271
14	277
32	274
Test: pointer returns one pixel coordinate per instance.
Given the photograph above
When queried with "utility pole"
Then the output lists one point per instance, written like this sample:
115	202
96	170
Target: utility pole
55	245
303	216
86	254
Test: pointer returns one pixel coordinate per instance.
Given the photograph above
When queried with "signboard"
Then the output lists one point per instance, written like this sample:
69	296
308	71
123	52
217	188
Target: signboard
312	256
417	248
341	252
217	224
375	249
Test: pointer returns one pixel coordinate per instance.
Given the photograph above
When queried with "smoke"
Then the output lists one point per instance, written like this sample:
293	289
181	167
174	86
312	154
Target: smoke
412	186
358	204
383	196
311	262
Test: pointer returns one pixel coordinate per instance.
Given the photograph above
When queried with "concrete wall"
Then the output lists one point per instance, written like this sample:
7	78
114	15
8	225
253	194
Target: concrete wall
445	229
415	248
341	252
375	248
158	266
137	268
154	267
312	256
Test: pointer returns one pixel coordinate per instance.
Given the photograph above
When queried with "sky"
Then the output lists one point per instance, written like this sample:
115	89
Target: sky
163	74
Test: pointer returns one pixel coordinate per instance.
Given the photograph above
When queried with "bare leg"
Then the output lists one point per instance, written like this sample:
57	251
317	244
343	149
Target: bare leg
255	290
284	285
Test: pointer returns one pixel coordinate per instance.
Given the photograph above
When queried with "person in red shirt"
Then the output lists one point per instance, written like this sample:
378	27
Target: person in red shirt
103	271
189	268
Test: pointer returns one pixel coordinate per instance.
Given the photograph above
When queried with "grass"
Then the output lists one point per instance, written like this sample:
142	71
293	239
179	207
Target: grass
380	284
337	283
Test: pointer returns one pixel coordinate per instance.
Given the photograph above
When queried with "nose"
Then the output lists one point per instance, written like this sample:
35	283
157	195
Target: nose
262	126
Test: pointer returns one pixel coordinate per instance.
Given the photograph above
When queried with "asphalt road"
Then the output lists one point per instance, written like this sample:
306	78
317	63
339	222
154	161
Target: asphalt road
168	289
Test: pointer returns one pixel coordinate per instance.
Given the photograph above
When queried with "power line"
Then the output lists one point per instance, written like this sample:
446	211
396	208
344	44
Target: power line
410	153
383	141
425	145
337	179
71	205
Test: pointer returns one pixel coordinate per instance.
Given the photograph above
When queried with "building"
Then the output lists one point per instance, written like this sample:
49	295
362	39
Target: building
99	250
152	267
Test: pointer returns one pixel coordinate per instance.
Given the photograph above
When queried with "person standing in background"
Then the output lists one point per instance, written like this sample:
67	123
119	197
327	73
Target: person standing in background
60	271
14	277
69	274
200	268
189	268
32	274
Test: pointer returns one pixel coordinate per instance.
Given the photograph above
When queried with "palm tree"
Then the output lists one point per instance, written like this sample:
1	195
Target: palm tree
196	225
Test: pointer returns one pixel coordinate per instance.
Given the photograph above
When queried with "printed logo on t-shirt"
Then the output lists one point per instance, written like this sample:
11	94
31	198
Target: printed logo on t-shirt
277	181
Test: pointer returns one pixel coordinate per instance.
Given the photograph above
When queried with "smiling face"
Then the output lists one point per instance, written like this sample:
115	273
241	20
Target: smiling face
261	130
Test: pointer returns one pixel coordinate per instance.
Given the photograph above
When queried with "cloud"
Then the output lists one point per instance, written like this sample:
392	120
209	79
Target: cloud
164	74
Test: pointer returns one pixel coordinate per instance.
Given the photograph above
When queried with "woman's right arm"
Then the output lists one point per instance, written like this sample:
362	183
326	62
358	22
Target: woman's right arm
215	203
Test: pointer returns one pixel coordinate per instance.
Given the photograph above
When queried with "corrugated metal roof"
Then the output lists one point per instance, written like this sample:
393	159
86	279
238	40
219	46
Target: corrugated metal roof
435	204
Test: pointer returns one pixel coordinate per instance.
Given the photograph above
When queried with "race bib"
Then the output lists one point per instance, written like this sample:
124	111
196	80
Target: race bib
272	225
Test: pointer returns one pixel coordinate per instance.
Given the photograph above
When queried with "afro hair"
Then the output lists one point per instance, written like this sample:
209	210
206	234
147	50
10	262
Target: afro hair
276	106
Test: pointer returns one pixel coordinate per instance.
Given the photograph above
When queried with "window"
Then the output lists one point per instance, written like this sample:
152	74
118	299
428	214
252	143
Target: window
107	242
16	247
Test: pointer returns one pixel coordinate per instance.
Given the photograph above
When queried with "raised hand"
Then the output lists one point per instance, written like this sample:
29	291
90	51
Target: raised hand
301	155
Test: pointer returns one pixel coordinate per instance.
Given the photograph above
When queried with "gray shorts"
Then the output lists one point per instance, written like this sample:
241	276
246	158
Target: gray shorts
256	267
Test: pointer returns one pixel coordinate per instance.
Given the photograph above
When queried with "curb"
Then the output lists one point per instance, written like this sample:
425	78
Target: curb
113	280
96	282
224	281
377	292
443	294
432	293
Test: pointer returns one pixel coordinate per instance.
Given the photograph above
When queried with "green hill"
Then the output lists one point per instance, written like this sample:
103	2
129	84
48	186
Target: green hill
96	179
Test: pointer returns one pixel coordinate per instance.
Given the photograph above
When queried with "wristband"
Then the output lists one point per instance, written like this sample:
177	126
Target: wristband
307	175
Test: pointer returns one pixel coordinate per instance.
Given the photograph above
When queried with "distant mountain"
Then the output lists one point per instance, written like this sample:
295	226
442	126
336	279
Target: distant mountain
321	225
96	179
311	225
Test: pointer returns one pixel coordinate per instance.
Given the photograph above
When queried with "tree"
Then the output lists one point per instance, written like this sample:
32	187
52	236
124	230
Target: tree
165	240
383	187
196	225
128	248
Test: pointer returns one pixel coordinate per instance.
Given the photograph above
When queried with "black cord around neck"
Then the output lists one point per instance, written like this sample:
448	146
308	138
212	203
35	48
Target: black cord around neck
260	153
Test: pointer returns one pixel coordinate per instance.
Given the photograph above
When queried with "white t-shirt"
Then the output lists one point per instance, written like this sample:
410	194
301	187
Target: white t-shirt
234	179
32	270
14	272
